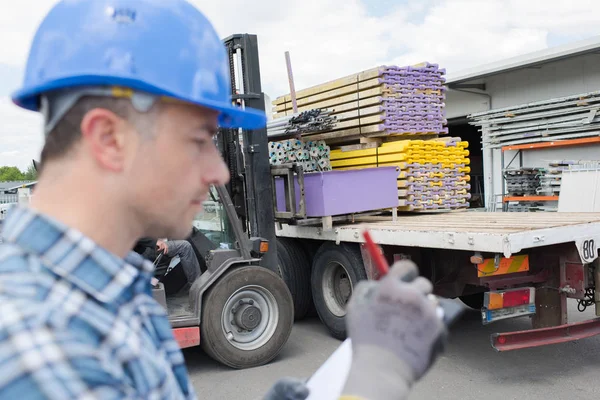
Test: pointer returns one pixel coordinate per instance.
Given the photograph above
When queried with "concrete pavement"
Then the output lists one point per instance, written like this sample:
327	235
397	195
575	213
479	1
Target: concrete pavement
470	368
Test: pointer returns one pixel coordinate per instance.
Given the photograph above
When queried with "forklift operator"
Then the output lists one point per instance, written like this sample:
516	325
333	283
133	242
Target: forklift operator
131	94
149	248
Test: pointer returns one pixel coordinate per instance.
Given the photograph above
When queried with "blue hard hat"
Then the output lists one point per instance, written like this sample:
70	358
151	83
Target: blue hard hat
162	47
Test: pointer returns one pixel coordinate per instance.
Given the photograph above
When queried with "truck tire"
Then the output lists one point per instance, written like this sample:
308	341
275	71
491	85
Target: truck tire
311	247
474	301
336	270
247	317
294	268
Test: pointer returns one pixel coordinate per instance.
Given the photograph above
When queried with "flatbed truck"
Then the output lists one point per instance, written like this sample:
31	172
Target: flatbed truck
503	264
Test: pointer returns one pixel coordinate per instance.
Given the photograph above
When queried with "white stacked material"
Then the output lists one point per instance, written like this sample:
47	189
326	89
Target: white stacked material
551	179
580	189
569	117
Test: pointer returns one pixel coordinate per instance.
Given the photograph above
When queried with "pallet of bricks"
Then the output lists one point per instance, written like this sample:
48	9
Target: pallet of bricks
388	116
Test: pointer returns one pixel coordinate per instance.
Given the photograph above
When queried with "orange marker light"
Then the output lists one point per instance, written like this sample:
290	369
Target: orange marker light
496	301
264	247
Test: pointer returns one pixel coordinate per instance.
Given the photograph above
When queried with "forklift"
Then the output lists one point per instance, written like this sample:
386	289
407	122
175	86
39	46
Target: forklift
240	310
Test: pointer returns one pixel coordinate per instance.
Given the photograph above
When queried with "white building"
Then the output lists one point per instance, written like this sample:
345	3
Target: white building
552	73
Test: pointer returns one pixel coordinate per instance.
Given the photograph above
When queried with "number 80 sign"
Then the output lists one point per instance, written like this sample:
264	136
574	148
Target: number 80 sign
588	249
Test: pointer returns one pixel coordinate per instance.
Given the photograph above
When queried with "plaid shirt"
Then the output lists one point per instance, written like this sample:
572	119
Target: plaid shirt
79	322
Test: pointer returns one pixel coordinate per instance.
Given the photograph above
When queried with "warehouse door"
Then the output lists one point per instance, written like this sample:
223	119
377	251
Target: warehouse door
459	127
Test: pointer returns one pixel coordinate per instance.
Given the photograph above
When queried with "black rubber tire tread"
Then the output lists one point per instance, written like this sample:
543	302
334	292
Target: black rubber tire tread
474	301
350	257
213	340
294	267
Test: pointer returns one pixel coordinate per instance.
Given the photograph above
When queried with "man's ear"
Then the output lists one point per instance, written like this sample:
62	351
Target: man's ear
103	134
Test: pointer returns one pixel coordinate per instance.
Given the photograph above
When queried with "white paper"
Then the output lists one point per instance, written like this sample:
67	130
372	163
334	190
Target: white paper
329	380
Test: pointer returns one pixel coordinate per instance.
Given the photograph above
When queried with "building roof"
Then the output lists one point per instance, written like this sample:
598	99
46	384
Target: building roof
11	185
526	60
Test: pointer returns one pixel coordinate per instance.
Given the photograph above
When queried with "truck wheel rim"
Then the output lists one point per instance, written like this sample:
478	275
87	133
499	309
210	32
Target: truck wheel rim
337	288
250	317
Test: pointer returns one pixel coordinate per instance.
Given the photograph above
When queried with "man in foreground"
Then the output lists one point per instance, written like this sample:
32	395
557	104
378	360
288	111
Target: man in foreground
132	93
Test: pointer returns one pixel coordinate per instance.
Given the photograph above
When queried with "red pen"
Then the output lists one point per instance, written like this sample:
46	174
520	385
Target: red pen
376	255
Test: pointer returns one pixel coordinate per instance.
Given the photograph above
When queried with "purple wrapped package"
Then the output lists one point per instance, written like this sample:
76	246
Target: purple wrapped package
344	192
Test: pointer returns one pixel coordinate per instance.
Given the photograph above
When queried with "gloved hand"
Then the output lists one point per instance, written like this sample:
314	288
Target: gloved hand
287	389
395	331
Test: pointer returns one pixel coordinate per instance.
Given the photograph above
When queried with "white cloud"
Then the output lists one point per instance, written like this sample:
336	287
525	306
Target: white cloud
18	23
330	38
20	135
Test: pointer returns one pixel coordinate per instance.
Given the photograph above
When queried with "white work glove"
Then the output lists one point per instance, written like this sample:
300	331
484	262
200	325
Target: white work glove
396	334
287	389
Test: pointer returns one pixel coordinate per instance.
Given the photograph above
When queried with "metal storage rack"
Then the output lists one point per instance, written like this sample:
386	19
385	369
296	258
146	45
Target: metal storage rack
530	147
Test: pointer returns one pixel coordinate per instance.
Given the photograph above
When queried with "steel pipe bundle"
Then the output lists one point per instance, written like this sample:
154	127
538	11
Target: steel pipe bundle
384	101
312	156
544	121
306	122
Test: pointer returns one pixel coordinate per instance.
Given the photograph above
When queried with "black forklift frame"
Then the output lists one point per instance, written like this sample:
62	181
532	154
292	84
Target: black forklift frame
246	151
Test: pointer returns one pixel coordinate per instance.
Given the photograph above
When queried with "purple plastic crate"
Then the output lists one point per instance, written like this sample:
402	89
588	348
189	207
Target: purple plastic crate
344	192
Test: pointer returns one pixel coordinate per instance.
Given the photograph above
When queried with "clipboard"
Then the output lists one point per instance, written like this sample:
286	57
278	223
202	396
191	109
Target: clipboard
329	380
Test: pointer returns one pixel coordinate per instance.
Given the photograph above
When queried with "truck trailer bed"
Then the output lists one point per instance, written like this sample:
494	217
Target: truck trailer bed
497	232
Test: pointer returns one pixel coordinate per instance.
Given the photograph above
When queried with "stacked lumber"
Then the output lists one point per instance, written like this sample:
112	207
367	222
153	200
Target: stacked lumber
380	102
311	156
434	174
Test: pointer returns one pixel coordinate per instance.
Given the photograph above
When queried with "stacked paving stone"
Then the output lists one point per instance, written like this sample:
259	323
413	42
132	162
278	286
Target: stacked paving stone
414	100
433	174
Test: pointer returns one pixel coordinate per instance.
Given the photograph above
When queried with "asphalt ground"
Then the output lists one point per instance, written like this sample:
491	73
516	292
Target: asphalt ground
469	369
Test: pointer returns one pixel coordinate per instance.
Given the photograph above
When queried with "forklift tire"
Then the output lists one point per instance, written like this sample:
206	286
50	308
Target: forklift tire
247	317
294	268
336	270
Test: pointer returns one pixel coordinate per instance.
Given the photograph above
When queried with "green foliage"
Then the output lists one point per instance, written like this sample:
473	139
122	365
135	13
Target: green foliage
30	173
11	173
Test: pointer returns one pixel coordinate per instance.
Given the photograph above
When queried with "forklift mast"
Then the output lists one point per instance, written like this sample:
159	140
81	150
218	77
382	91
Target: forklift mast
246	152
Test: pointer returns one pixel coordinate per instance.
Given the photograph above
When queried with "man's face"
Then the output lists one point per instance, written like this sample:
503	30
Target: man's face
172	171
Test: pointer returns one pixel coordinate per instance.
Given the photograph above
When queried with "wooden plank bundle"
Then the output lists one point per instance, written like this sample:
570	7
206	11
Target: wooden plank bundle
380	102
434	174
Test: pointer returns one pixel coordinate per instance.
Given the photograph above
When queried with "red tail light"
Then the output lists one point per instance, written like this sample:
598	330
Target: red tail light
517	298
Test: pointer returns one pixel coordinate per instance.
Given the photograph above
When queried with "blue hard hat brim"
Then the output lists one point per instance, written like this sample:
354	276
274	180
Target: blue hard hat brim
229	117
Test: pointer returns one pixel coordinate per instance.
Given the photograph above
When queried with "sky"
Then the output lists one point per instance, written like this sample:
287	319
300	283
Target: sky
328	39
